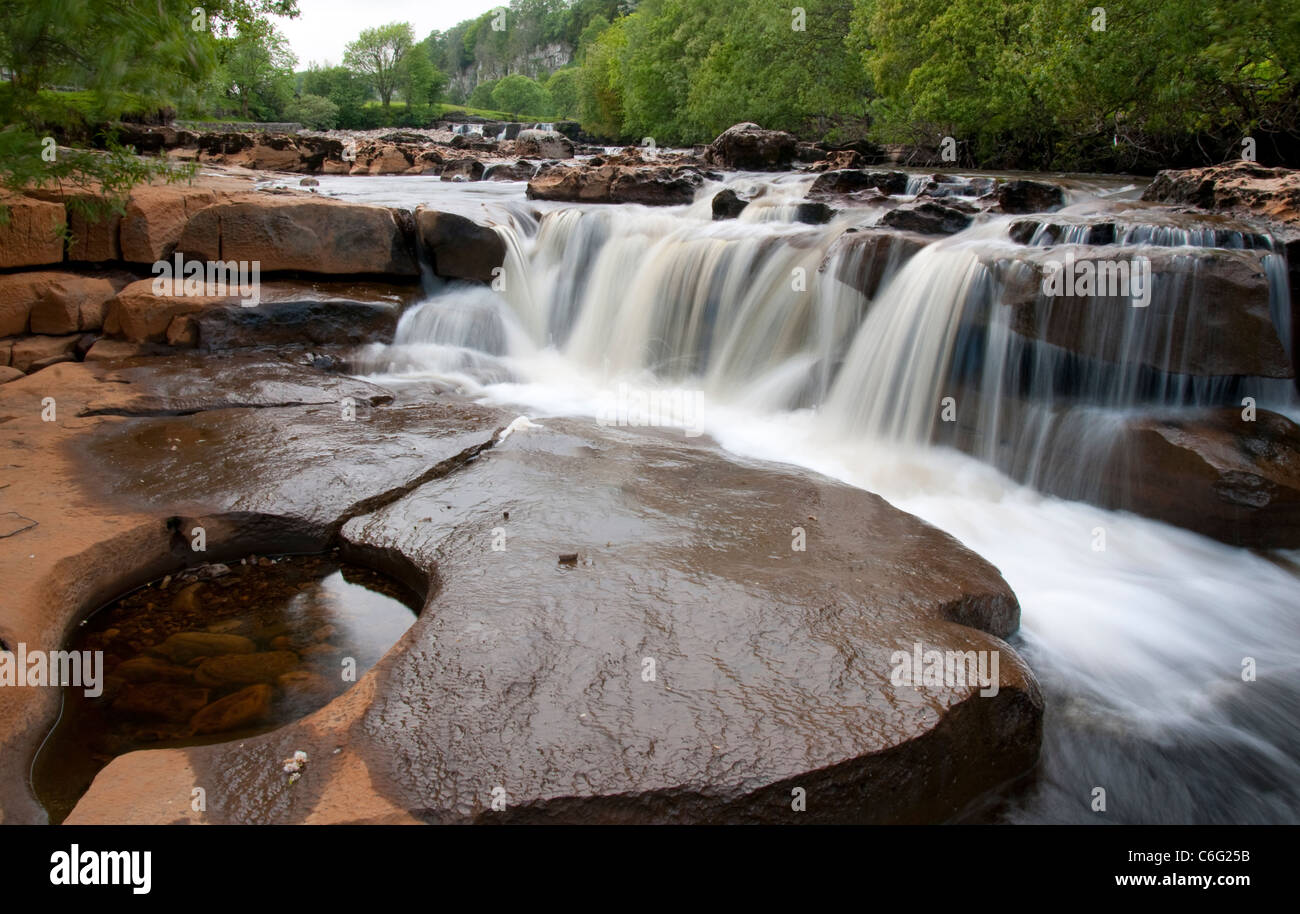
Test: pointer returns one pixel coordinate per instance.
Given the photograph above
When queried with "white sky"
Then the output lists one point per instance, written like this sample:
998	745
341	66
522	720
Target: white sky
323	27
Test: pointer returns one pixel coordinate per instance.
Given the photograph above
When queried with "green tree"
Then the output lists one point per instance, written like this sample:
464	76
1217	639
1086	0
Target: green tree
314	111
379	53
563	89
481	97
518	94
127	55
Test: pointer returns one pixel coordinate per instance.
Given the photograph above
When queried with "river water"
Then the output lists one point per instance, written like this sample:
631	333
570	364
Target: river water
1138	634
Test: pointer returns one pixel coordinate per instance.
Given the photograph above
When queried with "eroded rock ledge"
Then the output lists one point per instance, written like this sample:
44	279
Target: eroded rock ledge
772	666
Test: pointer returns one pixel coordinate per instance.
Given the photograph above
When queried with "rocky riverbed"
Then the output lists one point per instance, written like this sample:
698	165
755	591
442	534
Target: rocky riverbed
617	624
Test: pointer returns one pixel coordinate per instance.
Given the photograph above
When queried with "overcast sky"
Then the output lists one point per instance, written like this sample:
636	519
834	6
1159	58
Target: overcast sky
323	27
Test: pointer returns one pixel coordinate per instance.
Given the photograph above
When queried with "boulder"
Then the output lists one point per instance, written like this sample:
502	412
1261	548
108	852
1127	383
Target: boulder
846	182
300	232
864	259
748	147
649	185
33	234
156	215
55	302
1029	197
545	144
459	247
522	170
813	213
287	312
1271	195
462	170
727	204
927	219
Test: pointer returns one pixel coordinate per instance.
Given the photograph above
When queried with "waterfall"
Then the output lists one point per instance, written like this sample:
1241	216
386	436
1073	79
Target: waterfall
776	315
834	348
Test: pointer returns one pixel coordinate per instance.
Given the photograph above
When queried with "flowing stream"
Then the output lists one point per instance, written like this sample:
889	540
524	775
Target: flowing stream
807	344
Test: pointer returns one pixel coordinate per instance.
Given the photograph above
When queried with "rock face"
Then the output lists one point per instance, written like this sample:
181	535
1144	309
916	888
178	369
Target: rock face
1208	313
1211	471
300	233
53	302
33	234
459	247
546	144
863	259
650	185
286	312
748	147
1271	195
553	699
1029	197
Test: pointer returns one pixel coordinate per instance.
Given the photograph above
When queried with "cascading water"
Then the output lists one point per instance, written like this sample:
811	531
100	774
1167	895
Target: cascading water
829	347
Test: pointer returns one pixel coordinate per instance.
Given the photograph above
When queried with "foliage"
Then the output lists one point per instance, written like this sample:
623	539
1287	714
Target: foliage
519	94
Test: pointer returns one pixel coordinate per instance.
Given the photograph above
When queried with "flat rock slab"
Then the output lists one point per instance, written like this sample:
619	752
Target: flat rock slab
527	683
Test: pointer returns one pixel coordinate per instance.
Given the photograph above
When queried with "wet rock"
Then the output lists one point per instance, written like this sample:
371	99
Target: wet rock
546	144
463	170
187	599
813	213
241	709
648	185
305	686
1240	188
309	182
1208	312
567	719
152	669
522	170
727	204
459	247
848	182
927	219
167	700
748	147
183	647
1029	197
286	312
863	259
245	668
1210	471
298	232
32	235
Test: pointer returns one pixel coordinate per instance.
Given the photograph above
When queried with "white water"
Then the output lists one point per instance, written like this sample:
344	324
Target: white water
1139	645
